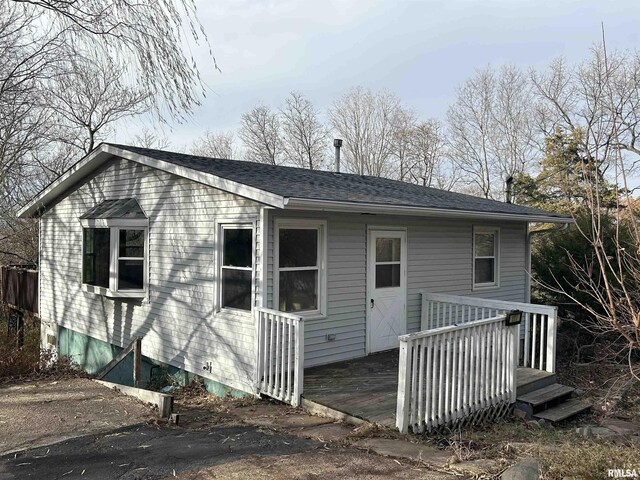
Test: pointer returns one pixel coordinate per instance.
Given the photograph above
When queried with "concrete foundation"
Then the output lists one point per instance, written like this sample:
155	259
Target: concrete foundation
92	355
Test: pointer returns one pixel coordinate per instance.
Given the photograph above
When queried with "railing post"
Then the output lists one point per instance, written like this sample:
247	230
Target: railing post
257	349
404	367
299	363
552	325
514	335
137	358
424	322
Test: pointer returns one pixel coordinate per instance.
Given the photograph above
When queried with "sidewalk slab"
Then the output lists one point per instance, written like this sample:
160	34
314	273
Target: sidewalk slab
402	449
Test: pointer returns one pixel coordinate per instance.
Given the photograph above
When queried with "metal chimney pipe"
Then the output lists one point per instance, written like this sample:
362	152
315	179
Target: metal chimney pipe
509	189
337	143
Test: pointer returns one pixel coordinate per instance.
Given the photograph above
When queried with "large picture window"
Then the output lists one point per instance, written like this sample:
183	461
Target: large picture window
300	267
236	267
485	257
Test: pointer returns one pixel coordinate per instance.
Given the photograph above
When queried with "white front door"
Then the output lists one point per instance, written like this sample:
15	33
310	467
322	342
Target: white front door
386	288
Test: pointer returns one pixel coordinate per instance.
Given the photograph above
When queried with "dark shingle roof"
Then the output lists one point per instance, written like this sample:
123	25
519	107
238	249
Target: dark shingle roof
121	208
291	182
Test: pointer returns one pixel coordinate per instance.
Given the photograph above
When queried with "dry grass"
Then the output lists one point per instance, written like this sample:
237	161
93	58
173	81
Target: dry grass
28	361
562	452
17	361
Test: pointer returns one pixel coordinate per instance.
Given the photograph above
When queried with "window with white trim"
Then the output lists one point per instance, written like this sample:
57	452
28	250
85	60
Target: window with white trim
236	266
486	243
114	260
130	266
115	249
300	275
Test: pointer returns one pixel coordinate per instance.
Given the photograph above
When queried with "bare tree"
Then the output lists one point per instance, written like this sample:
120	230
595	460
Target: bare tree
144	38
574	98
368	123
148	138
305	139
430	164
402	146
90	97
261	135
29	58
469	121
490	128
597	101
216	145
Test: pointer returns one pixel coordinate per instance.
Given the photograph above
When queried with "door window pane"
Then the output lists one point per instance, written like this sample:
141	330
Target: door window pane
130	274
485	244
96	256
298	290
387	249
131	243
298	247
388	275
236	289
485	271
238	243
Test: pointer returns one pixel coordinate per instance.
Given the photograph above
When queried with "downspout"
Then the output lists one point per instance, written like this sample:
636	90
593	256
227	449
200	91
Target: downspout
530	234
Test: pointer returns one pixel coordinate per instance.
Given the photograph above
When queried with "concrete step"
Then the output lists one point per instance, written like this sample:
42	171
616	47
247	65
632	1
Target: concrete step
530	379
564	410
549	395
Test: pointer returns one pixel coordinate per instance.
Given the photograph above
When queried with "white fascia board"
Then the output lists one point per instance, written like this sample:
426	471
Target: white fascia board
104	152
79	171
252	193
347	207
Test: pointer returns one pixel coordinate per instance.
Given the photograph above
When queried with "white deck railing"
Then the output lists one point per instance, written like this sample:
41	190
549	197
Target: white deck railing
456	374
280	355
537	331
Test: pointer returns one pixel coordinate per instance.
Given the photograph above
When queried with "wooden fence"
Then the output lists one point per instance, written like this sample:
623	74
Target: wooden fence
280	355
20	288
456	375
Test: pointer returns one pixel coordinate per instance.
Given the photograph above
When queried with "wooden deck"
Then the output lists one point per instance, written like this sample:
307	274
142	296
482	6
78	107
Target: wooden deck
367	387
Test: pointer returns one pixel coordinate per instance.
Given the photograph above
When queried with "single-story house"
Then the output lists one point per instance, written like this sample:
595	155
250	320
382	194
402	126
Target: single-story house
220	264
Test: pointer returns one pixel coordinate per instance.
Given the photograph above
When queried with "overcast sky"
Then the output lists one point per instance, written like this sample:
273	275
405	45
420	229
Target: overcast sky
419	50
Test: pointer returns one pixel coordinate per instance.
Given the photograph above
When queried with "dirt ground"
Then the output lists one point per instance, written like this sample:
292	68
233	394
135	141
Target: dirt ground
76	428
340	463
48	411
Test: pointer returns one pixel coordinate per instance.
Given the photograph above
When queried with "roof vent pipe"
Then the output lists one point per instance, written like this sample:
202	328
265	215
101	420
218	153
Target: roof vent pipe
337	143
509	190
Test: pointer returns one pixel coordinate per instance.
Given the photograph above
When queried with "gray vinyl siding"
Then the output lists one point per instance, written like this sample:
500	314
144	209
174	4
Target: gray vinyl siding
179	324
439	260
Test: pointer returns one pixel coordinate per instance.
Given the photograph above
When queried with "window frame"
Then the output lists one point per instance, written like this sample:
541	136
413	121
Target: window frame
115	225
221	225
302	224
495	231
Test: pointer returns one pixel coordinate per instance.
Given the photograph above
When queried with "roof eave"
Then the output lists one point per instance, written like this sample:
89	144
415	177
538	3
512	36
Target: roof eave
101	154
372	208
79	171
230	186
